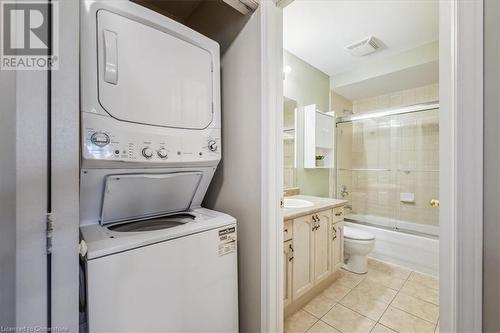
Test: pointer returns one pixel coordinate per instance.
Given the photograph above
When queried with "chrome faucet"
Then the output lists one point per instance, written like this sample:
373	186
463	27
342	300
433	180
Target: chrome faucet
343	191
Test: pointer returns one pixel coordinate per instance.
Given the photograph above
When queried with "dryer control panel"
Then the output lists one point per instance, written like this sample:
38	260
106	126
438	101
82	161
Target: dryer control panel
102	139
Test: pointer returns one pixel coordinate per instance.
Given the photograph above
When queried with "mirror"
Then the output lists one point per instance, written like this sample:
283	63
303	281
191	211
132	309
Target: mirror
289	142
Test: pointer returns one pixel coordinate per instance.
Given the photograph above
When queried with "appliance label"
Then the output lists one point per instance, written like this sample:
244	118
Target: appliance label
227	241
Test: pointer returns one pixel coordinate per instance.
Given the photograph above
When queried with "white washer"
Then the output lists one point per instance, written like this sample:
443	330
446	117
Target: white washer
154	263
181	279
150	142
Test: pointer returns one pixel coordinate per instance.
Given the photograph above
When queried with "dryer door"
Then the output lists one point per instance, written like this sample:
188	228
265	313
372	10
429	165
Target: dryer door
150	76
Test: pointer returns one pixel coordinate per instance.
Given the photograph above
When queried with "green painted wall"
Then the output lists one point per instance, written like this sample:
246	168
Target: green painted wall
307	85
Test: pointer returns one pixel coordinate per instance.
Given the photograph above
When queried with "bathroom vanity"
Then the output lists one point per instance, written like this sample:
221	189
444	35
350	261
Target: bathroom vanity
312	248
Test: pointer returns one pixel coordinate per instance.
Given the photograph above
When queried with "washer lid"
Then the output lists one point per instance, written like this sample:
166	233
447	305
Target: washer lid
136	197
357	234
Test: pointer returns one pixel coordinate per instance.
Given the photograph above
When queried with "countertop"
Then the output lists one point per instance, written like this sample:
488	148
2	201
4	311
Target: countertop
319	205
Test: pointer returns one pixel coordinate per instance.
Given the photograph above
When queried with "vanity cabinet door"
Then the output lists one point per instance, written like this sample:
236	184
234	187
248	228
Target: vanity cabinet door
322	261
337	241
287	272
303	256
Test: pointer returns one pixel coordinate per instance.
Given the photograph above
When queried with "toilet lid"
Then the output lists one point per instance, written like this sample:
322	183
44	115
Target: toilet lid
357	234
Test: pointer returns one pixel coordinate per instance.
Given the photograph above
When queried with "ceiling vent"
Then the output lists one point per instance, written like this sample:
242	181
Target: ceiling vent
363	47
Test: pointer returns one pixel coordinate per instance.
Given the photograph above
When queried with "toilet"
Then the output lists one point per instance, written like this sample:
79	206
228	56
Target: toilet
357	245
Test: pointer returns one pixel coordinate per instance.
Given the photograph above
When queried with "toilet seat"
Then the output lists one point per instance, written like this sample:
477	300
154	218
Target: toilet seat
356	234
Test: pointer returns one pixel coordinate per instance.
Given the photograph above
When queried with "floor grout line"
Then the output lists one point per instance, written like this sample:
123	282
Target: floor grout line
378	321
311	325
362	315
414	315
303	308
329	325
415	296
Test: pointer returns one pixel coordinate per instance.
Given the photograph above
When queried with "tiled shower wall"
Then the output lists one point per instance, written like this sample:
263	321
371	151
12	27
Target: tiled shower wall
429	93
380	158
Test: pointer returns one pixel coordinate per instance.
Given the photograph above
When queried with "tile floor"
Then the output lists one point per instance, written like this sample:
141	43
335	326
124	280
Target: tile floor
387	299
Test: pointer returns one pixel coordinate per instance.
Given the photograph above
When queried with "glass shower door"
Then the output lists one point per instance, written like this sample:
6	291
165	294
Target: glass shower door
365	170
388	170
418	171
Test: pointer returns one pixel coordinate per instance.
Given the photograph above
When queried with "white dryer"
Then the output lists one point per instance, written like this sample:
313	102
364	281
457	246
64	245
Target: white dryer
150	143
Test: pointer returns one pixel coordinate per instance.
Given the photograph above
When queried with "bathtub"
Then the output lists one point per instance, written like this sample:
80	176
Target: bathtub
411	250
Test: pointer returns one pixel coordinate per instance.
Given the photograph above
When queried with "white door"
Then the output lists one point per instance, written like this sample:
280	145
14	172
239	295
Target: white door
181	285
150	76
303	256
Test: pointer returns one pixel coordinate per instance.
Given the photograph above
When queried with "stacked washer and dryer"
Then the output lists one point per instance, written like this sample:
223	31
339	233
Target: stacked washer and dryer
156	260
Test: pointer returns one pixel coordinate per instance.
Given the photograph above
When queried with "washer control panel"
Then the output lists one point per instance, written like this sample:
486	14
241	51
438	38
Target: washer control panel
182	146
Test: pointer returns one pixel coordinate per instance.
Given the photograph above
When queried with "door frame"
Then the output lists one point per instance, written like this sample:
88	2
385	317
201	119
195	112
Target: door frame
65	159
461	155
461	186
272	167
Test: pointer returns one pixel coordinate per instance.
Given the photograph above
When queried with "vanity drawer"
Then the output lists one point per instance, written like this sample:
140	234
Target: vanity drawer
338	214
287	230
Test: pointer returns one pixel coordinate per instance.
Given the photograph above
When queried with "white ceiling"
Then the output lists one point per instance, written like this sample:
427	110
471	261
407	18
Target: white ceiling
317	30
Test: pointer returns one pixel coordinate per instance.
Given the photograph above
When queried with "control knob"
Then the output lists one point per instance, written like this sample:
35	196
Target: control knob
147	152
212	145
100	139
162	153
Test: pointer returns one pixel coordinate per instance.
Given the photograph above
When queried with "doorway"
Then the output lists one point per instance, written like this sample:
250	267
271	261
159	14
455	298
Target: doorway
449	113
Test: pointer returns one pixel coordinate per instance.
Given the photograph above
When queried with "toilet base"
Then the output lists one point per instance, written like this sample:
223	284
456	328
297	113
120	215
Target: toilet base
357	264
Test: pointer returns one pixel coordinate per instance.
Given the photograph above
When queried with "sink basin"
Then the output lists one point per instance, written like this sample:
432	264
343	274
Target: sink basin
297	203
